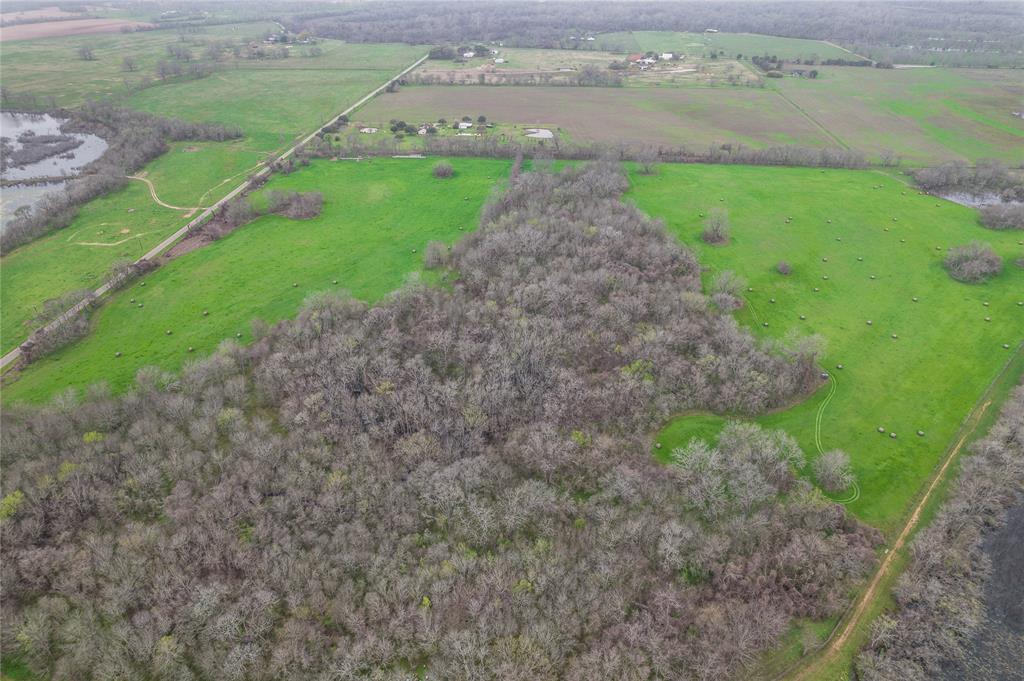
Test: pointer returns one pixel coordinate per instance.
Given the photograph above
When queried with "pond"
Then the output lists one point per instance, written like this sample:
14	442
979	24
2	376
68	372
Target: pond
18	127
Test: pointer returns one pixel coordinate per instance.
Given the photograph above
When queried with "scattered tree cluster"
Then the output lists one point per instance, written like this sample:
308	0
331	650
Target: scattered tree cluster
973	263
133	139
986	178
458	478
1003	215
34	148
939	594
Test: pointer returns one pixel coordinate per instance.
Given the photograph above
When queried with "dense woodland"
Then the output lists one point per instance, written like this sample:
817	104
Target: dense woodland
458	478
939	595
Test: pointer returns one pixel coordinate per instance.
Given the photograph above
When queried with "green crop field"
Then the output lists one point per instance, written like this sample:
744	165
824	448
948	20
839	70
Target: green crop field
375	214
732	44
922	114
948	345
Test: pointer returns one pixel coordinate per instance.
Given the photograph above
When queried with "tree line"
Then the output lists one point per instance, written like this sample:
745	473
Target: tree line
458	479
939	596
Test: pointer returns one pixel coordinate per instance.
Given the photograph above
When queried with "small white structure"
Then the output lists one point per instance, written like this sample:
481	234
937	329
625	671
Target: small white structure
465	125
591	38
499	60
469	55
540	133
647	60
667	56
711	30
368	131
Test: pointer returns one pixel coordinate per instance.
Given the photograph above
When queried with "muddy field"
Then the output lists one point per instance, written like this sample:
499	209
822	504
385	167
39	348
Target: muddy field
55	29
692	117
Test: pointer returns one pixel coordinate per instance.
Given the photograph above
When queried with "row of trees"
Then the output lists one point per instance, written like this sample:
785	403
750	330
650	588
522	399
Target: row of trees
458	478
939	596
133	139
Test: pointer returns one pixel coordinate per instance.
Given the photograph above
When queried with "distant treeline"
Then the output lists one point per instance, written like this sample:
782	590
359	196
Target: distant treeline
989	26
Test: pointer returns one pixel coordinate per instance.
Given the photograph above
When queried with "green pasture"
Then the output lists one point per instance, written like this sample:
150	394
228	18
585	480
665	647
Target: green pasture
697	44
927	378
925	115
122	225
375	214
52	67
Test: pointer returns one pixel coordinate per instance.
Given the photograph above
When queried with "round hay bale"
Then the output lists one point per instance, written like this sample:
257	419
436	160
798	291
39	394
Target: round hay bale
764	323
190	348
132	300
295	284
895	336
872	276
803	317
903	241
920	433
816	289
722	199
140	304
824	276
824	374
830	222
702	214
988	319
914	299
839	238
117	354
168	332
1006	346
894	219
881	429
206	313
334	281
869	322
657	445
839	366
985	303
860	259
238	335
824	259
750	289
892	435
886	229
142	284
772	300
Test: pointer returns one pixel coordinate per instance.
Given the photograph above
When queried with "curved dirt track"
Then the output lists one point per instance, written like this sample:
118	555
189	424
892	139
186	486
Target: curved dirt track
152	192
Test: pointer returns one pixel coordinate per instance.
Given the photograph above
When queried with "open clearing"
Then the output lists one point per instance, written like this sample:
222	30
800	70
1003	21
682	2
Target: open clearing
945	353
375	213
698	44
692	117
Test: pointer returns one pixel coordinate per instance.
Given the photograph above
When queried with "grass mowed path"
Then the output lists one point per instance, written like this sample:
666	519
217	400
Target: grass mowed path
944	355
375	213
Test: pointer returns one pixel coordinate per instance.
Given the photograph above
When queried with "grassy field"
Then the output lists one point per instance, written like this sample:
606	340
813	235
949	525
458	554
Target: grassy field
375	214
698	44
121	225
51	66
692	117
273	105
922	114
927	378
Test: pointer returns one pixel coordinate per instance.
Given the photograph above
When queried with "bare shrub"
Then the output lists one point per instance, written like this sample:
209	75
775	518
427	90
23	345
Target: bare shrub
295	205
435	255
1003	216
443	169
833	472
784	268
727	291
716	228
973	263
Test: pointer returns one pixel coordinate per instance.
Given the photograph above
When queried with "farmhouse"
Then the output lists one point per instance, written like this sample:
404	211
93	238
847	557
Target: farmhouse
667	56
499	60
464	125
368	131
469	55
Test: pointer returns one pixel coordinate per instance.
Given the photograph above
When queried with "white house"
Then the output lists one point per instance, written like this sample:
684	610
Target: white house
469	55
499	60
465	125
667	56
647	60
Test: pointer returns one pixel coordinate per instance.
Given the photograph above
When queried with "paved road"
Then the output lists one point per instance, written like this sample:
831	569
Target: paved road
195	222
